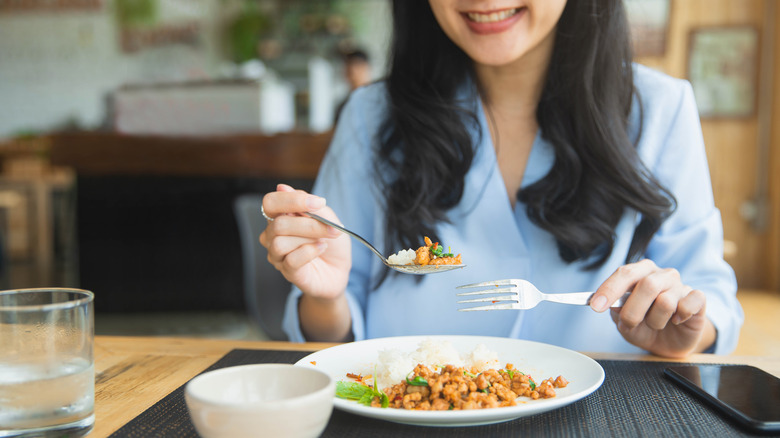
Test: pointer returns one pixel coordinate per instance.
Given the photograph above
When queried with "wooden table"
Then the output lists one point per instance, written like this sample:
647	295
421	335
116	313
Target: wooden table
134	373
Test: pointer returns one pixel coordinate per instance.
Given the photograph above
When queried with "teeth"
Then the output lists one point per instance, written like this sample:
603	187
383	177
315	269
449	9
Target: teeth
492	17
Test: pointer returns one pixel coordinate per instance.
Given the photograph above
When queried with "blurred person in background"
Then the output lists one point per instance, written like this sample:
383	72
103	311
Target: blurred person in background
357	72
357	69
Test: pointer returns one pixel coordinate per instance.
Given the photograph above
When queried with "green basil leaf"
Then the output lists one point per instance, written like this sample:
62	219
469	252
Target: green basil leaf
351	390
417	381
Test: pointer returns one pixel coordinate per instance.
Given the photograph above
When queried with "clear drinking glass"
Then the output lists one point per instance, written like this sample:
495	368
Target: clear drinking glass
47	373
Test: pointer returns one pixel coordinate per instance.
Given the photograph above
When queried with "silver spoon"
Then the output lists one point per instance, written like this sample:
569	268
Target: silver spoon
408	269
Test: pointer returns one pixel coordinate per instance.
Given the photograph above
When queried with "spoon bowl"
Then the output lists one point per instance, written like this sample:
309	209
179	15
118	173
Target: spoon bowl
406	269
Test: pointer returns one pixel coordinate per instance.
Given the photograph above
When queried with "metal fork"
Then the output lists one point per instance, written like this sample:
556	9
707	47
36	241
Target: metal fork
521	295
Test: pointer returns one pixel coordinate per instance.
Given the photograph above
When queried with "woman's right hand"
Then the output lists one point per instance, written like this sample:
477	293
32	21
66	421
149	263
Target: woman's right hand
313	256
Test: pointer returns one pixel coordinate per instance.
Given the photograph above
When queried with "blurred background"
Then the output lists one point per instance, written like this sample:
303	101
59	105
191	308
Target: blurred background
131	131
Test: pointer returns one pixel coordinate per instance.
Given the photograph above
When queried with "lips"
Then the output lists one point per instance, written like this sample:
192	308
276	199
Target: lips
487	22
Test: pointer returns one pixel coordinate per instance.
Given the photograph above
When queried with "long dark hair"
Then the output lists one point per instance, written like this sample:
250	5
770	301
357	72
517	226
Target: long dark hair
426	149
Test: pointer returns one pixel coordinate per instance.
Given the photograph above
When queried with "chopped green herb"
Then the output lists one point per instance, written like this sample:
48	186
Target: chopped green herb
364	394
417	381
438	251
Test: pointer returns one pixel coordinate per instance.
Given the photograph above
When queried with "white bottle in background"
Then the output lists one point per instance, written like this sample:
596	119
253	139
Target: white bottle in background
321	94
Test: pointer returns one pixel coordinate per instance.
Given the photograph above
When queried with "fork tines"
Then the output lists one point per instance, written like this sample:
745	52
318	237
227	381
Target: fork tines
507	301
489	283
498	290
505	306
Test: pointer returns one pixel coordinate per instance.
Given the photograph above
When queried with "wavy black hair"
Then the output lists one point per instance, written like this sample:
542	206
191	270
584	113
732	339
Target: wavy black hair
583	113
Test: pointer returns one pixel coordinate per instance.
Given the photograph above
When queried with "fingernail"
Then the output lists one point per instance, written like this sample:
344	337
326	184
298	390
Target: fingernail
599	304
315	202
321	247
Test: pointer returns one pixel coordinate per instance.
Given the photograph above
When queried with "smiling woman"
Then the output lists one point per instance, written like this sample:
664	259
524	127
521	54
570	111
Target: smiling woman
522	134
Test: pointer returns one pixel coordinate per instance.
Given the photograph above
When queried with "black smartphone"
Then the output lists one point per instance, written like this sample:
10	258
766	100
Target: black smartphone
746	394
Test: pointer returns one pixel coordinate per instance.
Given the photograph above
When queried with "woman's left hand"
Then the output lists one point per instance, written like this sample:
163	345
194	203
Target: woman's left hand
662	315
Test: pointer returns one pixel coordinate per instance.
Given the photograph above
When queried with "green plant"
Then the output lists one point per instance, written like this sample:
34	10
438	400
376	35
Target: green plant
244	32
134	13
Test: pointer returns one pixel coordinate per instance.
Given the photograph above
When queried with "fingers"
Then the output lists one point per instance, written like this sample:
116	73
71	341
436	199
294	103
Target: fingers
283	206
654	299
663	308
302	255
293	240
694	303
658	296
281	247
294	252
287	200
661	315
622	280
301	226
289	253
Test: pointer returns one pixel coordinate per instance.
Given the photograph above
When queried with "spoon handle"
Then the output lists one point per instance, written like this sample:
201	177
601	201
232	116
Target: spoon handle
346	231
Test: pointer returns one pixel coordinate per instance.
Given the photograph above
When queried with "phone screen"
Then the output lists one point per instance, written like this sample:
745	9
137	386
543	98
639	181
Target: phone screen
746	393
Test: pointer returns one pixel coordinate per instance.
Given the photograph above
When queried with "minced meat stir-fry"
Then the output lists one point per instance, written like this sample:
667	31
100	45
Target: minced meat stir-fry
433	254
453	388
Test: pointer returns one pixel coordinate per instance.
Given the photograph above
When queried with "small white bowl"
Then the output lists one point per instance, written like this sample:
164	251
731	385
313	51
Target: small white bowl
260	400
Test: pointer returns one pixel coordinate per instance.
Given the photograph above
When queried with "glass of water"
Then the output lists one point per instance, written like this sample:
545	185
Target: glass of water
47	374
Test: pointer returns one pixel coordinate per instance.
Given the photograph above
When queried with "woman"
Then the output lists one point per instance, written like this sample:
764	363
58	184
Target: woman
519	134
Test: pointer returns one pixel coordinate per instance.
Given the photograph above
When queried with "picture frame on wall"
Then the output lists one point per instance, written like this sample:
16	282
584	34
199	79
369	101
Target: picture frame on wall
649	23
723	70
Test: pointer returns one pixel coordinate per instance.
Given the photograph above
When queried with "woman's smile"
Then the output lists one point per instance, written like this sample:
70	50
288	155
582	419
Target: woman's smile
500	32
488	22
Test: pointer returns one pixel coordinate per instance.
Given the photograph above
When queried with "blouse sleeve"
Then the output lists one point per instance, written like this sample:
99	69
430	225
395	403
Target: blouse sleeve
345	180
691	239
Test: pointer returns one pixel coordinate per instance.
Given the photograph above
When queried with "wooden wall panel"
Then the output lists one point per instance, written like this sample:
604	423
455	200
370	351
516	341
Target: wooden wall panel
732	144
772	252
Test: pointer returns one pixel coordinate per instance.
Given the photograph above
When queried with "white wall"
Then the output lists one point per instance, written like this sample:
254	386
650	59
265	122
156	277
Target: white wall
60	66
56	67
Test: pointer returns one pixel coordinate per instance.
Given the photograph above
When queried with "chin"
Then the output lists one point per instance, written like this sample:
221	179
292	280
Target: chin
495	58
492	62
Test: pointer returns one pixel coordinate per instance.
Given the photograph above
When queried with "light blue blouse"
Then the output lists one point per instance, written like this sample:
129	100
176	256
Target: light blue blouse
498	241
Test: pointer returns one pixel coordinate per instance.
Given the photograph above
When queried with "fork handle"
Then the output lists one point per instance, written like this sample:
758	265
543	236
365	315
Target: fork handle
581	298
348	232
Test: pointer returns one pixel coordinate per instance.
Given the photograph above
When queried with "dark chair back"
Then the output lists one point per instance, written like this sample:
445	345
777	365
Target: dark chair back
265	288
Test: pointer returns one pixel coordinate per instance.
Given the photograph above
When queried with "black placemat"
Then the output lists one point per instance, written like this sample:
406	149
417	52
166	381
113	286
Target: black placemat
634	401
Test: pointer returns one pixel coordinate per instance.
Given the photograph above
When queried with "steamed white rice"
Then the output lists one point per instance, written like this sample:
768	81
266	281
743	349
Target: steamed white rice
482	358
402	257
395	365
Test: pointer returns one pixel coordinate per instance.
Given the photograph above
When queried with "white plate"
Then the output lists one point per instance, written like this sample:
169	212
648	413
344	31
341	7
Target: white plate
539	360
